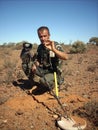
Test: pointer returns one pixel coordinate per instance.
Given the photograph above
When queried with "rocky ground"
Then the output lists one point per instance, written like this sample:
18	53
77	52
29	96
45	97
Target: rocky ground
39	110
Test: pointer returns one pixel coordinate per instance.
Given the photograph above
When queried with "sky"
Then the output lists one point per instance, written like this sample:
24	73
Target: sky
67	20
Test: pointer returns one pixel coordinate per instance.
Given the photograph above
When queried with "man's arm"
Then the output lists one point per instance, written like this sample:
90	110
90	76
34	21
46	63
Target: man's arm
60	54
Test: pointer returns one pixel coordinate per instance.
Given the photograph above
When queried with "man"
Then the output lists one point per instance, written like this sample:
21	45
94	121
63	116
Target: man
49	57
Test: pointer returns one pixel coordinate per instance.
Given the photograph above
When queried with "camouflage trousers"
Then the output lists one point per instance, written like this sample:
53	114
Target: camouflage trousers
43	77
46	81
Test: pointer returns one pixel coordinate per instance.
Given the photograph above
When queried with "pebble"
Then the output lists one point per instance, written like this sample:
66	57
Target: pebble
55	116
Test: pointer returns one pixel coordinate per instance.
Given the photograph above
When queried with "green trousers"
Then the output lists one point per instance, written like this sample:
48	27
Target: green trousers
46	80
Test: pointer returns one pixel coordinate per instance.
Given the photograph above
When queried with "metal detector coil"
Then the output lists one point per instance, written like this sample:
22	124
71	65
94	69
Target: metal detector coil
70	124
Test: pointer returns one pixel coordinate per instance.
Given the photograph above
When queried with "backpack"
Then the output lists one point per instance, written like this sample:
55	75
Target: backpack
27	62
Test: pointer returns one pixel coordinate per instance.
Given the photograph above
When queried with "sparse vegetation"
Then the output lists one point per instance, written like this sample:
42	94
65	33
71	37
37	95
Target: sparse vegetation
94	40
9	68
90	111
78	47
91	68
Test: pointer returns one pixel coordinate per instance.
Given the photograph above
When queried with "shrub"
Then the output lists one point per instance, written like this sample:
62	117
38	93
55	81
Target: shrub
78	47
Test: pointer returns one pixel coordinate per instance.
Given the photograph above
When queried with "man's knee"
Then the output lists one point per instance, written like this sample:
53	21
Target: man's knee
48	80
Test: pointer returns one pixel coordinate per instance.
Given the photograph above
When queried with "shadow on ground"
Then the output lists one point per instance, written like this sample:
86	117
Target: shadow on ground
25	84
22	83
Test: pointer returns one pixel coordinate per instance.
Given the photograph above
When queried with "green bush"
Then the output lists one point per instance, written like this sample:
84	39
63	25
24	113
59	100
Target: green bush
94	40
78	47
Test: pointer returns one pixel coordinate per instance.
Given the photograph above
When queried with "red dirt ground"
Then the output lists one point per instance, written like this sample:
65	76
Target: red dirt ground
39	110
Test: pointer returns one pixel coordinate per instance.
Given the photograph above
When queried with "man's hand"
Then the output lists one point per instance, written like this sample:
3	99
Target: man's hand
50	45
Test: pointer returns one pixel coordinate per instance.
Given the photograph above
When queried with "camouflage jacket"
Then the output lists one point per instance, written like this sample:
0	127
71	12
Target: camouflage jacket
48	59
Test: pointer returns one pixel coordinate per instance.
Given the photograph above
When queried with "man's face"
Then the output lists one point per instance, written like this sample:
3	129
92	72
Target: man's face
44	36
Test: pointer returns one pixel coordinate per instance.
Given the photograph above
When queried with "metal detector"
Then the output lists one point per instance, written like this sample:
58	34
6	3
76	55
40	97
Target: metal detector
65	122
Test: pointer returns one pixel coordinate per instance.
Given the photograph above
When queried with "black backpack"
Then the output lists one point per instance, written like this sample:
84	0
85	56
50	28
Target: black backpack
26	58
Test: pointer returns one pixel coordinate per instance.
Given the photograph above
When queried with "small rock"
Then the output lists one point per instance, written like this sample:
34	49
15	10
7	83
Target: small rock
64	104
5	121
55	116
32	126
19	112
3	100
